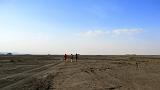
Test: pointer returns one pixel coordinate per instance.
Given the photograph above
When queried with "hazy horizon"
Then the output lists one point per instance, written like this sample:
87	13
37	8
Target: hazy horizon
98	27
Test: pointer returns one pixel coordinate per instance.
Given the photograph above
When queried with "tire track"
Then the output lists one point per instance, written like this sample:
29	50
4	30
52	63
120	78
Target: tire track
26	76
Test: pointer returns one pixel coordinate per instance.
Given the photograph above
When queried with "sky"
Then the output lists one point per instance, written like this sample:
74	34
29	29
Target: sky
95	27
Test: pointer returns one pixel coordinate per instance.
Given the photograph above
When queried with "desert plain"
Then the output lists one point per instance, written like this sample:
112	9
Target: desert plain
90	72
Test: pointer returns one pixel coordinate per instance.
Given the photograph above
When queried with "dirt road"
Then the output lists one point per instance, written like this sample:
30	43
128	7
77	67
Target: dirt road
15	80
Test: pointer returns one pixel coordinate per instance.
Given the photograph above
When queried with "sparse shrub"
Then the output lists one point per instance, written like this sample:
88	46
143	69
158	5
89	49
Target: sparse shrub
131	58
44	83
12	60
19	60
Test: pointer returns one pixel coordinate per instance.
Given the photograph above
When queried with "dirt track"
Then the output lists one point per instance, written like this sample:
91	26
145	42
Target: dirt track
27	76
15	71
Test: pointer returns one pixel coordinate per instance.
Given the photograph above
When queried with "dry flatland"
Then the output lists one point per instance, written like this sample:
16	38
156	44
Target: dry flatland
97	72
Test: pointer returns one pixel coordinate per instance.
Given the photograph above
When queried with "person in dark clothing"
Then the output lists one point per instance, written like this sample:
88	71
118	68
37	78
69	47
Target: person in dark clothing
137	65
65	57
76	57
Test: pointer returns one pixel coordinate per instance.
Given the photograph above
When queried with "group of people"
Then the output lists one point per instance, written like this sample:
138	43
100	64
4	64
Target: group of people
70	57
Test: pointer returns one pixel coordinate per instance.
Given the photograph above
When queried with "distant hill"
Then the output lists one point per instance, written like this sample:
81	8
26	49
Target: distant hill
5	53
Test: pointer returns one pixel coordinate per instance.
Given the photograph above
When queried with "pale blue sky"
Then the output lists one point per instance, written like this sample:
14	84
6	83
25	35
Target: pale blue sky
82	26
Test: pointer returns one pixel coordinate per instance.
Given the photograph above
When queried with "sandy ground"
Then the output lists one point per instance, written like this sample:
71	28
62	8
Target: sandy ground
89	73
108	75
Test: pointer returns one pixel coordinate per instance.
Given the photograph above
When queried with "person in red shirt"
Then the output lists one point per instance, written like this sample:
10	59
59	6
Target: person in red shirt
65	57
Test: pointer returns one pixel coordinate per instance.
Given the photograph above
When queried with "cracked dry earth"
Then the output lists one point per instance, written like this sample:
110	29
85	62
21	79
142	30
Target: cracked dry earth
107	75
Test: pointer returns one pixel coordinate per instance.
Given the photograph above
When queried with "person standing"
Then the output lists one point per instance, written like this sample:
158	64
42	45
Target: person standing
76	57
65	57
137	65
71	57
